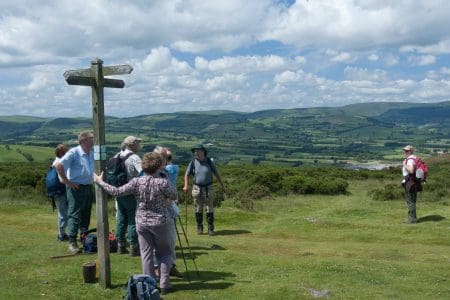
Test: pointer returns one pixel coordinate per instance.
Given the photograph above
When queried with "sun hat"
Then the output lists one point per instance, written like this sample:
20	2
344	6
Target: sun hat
198	147
131	140
408	148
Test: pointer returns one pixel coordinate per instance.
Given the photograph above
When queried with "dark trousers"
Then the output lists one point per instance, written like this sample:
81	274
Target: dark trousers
125	219
411	198
79	211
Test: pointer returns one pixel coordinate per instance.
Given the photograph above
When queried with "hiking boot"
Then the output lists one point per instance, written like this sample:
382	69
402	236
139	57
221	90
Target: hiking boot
73	246
175	273
199	230
122	249
199	219
63	238
210	219
134	250
412	221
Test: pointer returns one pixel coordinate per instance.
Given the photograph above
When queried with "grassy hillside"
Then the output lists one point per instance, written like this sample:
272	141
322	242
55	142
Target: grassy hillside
21	153
297	247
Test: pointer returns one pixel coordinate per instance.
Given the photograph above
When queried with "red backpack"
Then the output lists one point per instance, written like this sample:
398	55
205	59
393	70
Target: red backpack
421	170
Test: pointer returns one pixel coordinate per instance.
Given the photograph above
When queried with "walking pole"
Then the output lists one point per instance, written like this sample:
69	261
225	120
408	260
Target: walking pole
186	209
182	254
189	247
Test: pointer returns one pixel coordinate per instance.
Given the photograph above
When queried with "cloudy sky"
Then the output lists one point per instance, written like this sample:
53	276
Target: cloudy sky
238	55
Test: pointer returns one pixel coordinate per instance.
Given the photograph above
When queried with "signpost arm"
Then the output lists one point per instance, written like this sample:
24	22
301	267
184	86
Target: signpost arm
100	164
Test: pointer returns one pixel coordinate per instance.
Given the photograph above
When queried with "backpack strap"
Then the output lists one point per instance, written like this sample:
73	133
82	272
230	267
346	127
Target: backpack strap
140	290
128	292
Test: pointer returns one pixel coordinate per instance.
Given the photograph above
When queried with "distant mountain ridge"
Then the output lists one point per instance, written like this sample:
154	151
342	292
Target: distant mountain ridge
355	130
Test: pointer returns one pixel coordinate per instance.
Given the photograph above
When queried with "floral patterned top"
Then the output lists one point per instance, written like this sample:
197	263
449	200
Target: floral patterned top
153	194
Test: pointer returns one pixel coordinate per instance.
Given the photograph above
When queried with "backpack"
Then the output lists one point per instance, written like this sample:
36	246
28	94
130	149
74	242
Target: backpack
192	169
53	186
89	241
116	173
421	170
141	287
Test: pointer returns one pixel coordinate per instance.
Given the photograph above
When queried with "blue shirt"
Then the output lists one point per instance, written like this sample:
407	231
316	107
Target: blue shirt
79	166
172	170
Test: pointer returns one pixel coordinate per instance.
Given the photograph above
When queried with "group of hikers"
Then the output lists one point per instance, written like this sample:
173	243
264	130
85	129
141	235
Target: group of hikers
146	205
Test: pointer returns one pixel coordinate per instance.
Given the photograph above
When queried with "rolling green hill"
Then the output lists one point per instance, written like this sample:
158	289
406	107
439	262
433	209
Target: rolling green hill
369	131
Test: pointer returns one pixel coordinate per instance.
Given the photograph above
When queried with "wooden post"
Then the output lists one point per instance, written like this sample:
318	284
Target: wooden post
94	77
100	165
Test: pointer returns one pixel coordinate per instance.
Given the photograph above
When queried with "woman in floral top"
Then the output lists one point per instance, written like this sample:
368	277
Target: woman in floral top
153	220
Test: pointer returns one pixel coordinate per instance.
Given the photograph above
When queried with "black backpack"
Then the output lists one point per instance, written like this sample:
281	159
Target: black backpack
116	173
141	287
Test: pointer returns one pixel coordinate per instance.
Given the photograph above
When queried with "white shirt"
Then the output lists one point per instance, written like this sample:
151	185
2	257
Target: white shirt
410	161
133	163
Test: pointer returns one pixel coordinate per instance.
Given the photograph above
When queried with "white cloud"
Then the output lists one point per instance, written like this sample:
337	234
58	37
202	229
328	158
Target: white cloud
241	55
361	24
343	57
373	57
391	60
441	47
354	73
422	60
228	80
242	63
300	59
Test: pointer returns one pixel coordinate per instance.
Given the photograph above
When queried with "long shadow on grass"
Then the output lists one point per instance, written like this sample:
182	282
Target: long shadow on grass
194	251
431	218
201	281
232	232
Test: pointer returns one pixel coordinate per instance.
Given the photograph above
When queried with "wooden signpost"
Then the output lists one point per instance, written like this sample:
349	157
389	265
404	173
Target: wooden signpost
94	77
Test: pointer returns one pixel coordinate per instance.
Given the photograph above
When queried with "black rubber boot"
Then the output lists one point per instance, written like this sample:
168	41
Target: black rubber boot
199	218
210	219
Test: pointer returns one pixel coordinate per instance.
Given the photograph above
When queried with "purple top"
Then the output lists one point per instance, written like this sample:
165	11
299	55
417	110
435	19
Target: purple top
154	196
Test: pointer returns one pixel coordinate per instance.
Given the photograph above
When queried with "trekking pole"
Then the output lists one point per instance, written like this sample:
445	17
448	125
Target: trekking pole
182	254
186	208
189	247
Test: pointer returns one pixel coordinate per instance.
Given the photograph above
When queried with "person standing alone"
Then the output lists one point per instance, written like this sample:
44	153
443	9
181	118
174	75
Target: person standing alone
203	169
410	183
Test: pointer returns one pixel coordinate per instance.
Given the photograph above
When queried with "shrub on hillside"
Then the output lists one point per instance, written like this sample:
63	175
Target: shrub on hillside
389	192
310	185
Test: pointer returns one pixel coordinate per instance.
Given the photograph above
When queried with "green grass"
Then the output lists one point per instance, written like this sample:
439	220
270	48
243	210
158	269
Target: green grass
38	153
351	246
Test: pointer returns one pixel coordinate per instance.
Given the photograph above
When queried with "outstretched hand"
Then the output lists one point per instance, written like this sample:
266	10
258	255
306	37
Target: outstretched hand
98	178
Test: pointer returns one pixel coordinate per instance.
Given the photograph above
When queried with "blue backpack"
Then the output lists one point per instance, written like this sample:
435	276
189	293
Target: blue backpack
141	287
52	185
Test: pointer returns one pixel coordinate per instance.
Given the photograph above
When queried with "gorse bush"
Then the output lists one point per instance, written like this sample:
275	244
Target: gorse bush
387	193
248	183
